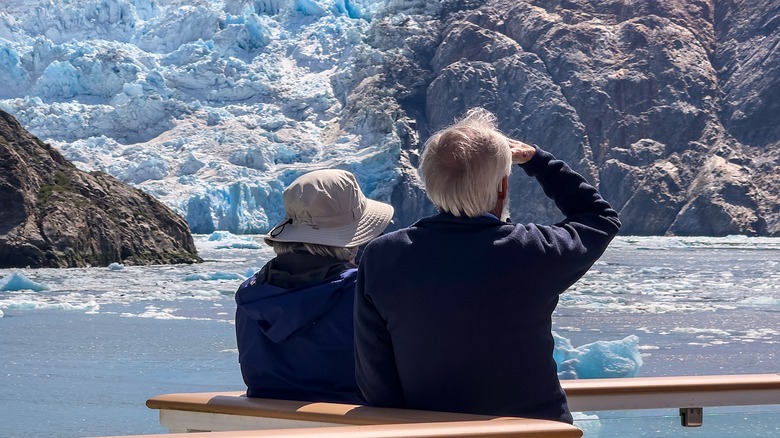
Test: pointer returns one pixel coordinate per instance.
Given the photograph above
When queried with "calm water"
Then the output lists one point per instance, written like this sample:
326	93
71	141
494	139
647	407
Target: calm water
81	357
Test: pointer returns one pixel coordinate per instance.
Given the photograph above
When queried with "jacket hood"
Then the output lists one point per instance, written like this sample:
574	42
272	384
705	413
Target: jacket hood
280	312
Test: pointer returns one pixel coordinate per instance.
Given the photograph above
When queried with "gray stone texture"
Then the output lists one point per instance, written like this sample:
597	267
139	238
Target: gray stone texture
671	107
54	215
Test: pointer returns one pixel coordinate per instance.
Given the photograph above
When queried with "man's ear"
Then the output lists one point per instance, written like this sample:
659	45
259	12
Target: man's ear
504	189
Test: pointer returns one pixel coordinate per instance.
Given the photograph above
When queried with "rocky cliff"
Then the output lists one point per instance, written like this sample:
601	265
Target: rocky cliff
53	215
671	107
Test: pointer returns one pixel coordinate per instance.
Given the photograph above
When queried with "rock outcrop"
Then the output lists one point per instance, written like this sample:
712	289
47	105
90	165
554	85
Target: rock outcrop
54	215
672	108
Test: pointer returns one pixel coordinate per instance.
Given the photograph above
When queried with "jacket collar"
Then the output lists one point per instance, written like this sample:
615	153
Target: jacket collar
445	219
294	270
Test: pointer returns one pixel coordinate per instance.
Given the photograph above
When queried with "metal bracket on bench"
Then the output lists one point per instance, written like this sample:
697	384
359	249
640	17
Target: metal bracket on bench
691	417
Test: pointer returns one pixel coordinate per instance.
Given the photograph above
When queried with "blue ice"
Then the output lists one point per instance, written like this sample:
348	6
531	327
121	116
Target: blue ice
309	7
600	359
251	271
17	281
221	235
136	67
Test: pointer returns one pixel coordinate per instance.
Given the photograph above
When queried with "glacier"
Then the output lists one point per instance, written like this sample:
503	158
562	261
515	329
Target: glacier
213	107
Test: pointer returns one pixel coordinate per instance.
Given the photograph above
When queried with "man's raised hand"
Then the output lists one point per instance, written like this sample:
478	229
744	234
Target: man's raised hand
521	152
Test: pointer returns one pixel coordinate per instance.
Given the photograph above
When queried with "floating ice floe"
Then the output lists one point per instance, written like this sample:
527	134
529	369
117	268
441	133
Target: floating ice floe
24	304
17	281
154	312
761	301
251	271
214	276
600	359
226	239
589	424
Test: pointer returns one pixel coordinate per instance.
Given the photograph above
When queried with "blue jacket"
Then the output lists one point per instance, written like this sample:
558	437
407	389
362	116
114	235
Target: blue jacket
455	313
296	342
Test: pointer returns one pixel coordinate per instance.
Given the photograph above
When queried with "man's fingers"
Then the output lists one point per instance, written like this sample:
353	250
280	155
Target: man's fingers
521	152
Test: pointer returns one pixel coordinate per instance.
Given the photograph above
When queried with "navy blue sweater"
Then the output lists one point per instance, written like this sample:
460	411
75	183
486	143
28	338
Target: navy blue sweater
454	313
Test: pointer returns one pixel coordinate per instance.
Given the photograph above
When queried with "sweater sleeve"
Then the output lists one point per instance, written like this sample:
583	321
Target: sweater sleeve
590	223
375	368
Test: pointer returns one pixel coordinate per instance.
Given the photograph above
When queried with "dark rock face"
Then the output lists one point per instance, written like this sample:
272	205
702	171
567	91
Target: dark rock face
54	215
671	107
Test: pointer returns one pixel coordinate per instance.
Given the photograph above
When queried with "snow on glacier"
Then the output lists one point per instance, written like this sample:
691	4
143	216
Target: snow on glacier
212	107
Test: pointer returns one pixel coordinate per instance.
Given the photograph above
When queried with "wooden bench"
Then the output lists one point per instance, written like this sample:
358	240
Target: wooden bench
231	411
223	411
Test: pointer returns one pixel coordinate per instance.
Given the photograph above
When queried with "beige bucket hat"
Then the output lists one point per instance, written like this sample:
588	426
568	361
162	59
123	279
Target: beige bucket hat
327	207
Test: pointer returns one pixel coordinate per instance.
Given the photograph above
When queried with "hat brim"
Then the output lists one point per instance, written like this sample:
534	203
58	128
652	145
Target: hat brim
376	217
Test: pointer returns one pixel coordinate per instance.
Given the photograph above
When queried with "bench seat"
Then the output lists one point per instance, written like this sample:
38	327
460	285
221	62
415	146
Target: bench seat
232	411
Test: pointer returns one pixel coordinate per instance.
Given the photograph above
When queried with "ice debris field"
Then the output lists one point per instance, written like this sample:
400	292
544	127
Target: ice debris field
178	292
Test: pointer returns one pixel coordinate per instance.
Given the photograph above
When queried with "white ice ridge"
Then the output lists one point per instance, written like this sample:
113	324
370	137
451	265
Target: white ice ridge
210	106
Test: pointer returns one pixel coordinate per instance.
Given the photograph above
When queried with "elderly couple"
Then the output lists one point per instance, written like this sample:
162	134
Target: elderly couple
452	313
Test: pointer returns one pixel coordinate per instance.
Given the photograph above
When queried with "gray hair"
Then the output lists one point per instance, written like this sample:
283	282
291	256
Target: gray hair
343	254
462	165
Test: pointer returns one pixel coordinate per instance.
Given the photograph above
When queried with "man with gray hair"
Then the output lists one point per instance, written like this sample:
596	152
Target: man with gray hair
294	316
454	313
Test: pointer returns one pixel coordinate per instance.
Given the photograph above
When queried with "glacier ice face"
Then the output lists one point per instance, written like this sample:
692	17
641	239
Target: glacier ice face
12	74
210	106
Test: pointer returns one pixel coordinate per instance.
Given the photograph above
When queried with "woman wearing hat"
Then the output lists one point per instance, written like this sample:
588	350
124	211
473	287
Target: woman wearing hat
294	316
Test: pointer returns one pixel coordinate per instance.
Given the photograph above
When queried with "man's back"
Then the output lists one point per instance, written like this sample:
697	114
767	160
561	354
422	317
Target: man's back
454	313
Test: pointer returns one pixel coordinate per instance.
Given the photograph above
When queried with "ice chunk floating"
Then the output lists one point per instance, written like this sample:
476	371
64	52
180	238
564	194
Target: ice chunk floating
600	359
17	281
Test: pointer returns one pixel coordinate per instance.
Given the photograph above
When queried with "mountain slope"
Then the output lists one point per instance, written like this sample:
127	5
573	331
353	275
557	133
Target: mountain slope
54	215
670	106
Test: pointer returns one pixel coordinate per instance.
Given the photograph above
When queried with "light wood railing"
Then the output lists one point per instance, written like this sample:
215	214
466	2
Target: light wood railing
672	392
230	414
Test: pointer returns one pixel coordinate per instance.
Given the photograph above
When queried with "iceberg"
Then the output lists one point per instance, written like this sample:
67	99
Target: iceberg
225	239
17	281
600	359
